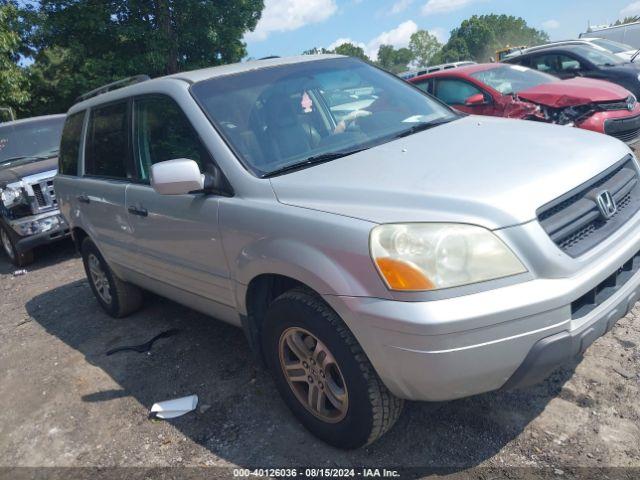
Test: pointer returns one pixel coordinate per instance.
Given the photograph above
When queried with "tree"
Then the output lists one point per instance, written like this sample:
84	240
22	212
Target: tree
316	51
351	50
78	45
478	37
626	20
392	60
13	81
423	47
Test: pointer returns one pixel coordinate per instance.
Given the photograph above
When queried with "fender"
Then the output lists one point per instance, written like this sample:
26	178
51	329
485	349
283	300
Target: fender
302	262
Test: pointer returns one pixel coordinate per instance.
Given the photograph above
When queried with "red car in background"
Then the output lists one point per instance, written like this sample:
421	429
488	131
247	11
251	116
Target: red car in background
513	91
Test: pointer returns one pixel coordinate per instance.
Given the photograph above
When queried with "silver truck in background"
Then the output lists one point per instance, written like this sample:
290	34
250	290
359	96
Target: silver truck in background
29	214
628	33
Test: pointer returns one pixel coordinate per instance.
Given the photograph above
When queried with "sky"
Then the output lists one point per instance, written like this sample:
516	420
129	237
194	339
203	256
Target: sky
288	27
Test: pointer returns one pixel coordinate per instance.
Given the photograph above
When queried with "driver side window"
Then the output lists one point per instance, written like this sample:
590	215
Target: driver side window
162	132
455	92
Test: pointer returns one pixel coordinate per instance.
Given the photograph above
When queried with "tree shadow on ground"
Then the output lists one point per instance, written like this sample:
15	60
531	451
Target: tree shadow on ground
247	423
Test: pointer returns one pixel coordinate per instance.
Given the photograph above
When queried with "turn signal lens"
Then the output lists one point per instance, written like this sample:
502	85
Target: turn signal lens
402	275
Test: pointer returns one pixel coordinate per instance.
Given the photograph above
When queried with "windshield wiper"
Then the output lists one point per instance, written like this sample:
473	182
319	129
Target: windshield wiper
421	127
314	160
42	156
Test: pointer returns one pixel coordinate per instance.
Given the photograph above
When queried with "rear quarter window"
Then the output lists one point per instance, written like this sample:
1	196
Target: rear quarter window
70	144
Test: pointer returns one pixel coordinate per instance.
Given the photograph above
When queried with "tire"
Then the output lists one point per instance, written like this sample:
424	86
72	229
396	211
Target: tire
366	410
9	248
116	297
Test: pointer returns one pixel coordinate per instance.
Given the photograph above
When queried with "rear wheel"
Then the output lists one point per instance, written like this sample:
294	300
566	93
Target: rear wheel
322	373
116	297
8	245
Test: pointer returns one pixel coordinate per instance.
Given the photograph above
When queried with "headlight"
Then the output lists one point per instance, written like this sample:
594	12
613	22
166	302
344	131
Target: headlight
431	256
31	227
11	196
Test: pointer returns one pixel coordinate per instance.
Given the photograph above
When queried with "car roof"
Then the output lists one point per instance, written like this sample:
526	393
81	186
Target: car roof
460	71
551	48
195	76
32	119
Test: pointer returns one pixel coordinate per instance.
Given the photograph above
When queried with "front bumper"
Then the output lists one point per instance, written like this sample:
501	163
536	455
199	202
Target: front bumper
429	351
47	228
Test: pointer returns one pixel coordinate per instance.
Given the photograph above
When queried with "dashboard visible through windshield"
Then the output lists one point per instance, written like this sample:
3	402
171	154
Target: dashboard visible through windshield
279	117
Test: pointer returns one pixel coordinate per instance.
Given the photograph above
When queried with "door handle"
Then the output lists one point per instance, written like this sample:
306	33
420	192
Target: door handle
141	212
83	198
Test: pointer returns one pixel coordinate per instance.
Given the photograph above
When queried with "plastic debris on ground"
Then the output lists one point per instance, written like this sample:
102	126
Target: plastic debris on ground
174	408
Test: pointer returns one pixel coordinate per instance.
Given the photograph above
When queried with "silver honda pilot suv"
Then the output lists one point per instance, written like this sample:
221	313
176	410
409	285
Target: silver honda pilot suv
373	244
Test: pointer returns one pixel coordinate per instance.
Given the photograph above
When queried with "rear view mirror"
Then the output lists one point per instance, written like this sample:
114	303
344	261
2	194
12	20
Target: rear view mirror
176	177
473	100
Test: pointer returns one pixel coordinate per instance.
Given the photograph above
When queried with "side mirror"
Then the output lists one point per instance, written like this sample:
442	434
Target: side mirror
176	177
475	100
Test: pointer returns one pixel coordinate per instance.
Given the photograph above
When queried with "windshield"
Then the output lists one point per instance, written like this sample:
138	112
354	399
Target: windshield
37	138
513	78
282	116
613	47
598	57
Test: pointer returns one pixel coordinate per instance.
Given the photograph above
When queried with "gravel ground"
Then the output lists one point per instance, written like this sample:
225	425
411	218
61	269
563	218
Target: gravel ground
65	403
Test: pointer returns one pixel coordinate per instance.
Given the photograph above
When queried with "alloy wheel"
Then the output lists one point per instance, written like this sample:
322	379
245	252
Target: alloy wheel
99	278
313	375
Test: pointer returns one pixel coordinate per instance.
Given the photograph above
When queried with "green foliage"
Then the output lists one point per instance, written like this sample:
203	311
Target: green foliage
478	37
626	20
423	47
316	51
79	45
351	50
394	60
14	91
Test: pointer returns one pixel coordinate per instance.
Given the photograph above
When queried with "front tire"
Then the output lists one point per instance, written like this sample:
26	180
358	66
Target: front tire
19	260
116	297
323	374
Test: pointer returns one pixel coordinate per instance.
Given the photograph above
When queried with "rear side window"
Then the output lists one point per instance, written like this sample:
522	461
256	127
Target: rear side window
107	150
70	144
162	132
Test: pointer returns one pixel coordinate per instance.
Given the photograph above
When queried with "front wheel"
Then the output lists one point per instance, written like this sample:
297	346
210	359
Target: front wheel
8	245
322	373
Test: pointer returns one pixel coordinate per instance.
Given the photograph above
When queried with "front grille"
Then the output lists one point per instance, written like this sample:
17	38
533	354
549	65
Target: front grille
574	221
37	191
625	129
597	296
628	136
44	195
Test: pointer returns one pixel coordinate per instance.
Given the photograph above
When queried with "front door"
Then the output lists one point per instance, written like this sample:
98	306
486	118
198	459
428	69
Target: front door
176	237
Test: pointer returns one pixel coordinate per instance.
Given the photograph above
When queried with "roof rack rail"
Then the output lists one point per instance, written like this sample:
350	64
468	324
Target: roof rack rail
113	86
269	57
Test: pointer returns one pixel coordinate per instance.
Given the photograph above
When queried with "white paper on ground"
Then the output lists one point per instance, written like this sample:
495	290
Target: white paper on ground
175	408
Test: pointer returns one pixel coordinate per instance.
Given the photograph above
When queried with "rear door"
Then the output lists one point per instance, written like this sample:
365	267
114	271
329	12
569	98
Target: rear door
176	237
107	170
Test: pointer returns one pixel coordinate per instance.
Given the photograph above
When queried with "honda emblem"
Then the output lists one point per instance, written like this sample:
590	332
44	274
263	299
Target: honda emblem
606	204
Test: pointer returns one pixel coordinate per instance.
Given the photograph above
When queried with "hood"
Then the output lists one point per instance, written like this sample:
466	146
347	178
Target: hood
573	92
14	173
485	171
